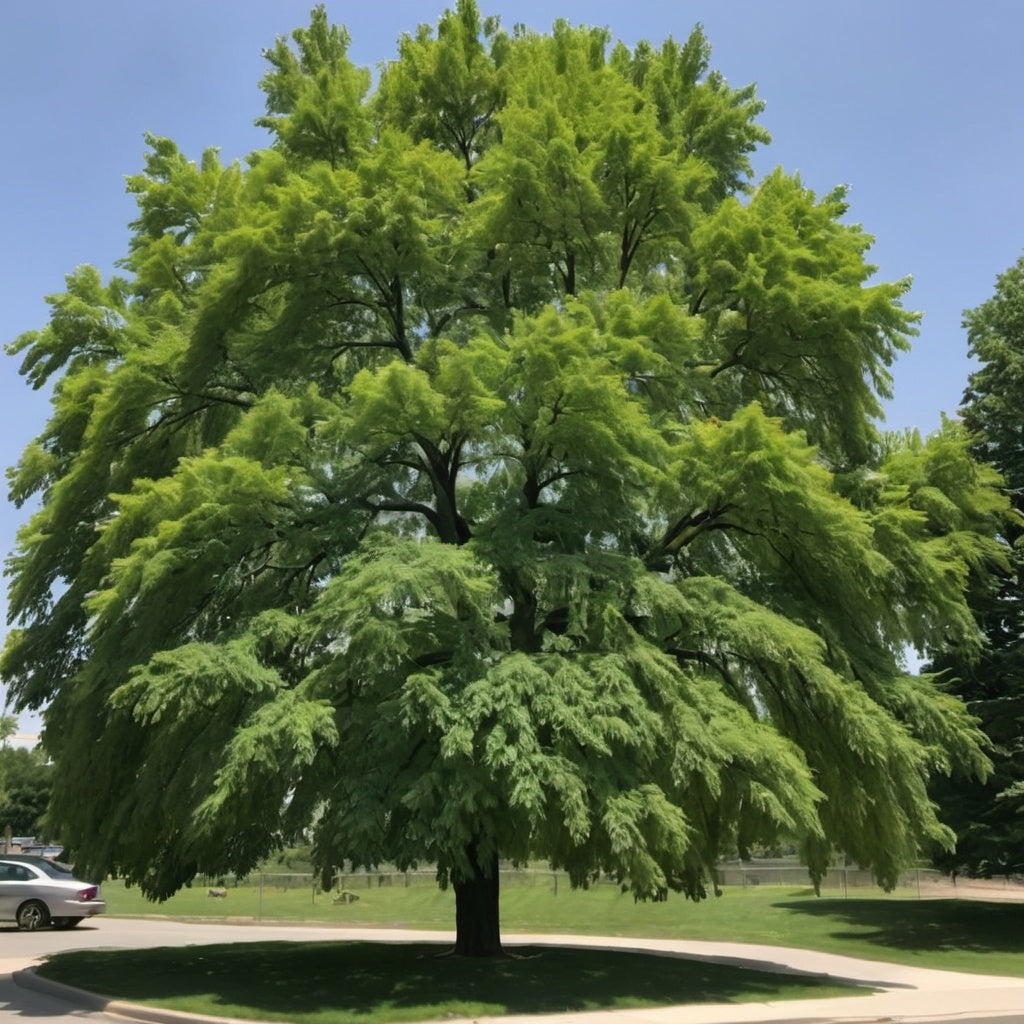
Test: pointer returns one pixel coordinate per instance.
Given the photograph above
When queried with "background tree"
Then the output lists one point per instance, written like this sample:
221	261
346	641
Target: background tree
988	817
26	779
487	472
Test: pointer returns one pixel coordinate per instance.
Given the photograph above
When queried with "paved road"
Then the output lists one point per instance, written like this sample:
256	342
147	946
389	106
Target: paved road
912	994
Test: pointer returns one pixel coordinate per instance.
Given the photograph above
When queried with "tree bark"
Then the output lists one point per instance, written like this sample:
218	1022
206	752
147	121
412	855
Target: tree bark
477	926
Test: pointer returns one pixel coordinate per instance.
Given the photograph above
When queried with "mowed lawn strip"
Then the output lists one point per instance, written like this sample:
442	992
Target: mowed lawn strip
958	935
383	983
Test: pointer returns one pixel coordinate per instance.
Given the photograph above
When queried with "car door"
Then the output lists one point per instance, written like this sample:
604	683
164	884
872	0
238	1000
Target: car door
20	882
10	890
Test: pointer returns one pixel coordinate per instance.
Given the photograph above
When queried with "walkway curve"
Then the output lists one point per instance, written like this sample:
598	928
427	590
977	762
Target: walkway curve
908	993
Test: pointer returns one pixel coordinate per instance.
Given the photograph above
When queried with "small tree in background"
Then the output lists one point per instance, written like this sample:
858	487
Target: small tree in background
26	779
487	471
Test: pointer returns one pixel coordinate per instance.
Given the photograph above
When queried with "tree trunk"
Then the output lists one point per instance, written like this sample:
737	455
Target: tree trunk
477	927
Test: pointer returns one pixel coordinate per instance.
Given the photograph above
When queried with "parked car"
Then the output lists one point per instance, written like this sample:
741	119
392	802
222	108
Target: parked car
36	892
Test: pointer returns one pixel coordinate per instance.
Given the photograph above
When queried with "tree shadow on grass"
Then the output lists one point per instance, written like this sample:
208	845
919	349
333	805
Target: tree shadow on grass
923	925
384	982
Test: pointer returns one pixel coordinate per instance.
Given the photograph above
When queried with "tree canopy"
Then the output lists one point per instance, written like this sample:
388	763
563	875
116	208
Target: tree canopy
487	469
988	816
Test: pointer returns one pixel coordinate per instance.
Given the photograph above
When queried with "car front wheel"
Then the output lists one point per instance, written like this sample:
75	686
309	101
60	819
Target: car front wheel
33	915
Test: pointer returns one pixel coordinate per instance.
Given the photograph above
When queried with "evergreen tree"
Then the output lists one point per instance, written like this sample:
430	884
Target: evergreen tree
988	816
487	471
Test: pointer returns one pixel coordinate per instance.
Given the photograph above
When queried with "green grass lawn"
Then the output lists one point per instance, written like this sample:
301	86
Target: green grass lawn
962	935
380	983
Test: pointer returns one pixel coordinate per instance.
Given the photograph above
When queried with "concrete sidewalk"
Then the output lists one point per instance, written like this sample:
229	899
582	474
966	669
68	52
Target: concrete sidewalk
910	993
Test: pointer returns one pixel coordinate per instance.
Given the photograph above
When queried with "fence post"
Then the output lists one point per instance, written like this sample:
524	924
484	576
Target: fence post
846	891
554	878
259	908
917	871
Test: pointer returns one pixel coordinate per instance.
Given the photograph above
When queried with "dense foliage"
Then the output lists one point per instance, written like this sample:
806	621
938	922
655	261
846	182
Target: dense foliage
988	816
25	782
487	470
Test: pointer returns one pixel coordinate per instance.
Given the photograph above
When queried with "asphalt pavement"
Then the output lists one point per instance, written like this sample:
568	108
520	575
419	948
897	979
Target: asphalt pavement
906	993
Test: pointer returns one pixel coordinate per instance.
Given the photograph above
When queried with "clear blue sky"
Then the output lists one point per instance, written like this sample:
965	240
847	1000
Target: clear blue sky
915	104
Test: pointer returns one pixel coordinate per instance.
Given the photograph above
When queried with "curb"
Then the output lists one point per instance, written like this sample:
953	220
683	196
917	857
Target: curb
27	978
886	1007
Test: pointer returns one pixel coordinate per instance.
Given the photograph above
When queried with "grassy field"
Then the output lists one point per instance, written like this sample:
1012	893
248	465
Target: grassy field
962	935
378	983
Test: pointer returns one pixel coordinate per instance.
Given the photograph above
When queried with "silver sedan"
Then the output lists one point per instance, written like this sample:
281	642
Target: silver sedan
36	892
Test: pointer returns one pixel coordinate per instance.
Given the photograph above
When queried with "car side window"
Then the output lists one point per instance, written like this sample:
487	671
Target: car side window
7	873
20	873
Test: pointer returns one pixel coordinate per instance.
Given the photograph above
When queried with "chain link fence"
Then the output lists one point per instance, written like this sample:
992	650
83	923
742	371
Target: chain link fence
276	890
925	883
273	889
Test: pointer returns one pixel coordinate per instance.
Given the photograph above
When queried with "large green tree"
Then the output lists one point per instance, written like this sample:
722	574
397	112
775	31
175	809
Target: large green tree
988	815
487	471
